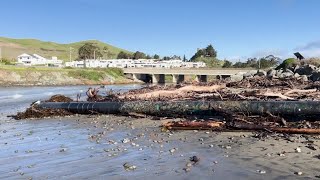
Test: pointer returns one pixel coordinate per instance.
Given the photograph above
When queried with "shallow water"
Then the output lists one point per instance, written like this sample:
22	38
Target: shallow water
14	99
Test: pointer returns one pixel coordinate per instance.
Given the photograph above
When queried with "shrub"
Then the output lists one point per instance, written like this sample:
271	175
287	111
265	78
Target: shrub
227	64
288	63
7	62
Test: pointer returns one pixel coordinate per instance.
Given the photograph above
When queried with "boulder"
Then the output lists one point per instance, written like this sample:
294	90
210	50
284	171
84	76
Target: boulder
279	72
295	68
306	70
315	76
236	77
248	74
261	73
285	75
304	78
271	73
296	75
288	71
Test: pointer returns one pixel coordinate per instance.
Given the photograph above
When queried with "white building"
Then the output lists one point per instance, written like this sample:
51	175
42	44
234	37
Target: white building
35	59
140	63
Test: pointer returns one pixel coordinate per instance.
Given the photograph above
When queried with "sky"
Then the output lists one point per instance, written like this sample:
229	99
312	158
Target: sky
238	29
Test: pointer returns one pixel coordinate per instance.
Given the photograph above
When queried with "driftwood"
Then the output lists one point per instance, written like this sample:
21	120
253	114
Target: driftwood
300	91
187	125
245	126
171	93
278	95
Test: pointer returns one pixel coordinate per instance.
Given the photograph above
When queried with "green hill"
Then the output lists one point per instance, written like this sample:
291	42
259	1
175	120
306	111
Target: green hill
11	48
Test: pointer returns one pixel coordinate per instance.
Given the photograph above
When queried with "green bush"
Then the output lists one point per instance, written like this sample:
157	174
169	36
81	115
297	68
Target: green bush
68	67
227	64
288	63
7	62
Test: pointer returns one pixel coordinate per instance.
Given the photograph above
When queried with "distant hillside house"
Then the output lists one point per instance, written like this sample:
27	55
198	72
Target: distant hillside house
35	59
131	63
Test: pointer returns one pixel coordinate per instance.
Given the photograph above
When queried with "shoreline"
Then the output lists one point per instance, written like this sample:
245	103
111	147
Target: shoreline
86	146
2	85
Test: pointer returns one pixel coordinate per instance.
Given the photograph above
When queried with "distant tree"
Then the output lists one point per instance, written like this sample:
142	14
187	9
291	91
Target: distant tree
139	55
176	57
148	57
89	51
123	55
210	51
184	58
156	56
166	58
265	62
227	64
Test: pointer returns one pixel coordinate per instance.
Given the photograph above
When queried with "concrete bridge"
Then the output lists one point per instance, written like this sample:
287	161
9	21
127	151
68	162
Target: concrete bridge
157	75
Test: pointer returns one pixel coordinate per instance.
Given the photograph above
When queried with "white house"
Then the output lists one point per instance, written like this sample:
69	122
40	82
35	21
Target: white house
35	59
140	63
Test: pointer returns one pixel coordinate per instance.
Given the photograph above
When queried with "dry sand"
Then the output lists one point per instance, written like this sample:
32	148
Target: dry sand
95	147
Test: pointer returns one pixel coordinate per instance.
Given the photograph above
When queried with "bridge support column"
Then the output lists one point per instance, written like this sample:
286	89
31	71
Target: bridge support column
177	79
158	78
202	78
135	77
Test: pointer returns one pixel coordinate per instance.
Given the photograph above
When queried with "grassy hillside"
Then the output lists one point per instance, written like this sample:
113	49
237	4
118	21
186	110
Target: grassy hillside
11	48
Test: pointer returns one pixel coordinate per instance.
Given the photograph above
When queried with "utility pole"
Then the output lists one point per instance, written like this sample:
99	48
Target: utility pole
0	54
70	55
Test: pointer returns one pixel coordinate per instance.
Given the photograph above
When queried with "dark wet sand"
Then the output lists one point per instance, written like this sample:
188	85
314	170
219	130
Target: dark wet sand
84	147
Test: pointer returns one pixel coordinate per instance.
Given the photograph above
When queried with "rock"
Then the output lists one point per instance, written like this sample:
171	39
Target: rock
129	167
279	72
189	164
271	73
298	173
286	74
315	76
187	169
298	150
248	74
304	78
172	150
194	159
125	140
294	69
296	75
236	77
306	70
261	73
261	171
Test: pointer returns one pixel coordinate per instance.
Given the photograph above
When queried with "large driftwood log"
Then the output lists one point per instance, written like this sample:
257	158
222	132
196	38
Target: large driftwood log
189	125
245	126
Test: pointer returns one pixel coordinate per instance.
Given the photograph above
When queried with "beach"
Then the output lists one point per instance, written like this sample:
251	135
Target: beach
122	147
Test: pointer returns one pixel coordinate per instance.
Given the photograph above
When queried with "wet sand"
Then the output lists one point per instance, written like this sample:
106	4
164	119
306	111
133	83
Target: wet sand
97	147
